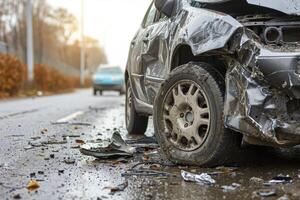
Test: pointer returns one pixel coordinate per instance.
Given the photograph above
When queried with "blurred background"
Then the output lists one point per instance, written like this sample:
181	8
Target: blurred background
55	46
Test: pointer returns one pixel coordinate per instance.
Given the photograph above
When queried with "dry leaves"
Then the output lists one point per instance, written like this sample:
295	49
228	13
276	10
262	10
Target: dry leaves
32	185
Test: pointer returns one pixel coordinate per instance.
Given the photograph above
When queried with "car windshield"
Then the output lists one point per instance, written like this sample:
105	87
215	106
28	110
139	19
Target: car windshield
111	70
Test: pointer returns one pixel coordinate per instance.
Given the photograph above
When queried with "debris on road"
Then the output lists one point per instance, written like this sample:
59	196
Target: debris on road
115	146
202	179
17	196
71	123
223	170
284	197
79	141
266	192
28	147
230	188
153	169
280	179
69	160
256	180
44	131
54	141
142	172
71	135
118	188
32	185
35	144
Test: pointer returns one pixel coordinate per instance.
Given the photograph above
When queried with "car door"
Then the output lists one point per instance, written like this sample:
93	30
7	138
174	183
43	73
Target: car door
155	55
137	69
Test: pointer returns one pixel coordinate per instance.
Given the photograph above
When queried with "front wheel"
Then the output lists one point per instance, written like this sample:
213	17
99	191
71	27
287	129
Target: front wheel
135	123
188	117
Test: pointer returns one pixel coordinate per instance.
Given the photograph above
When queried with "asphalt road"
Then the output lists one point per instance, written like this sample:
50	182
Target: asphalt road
38	142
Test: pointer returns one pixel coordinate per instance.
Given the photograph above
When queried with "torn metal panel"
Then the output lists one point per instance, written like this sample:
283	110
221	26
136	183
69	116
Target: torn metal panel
205	30
257	104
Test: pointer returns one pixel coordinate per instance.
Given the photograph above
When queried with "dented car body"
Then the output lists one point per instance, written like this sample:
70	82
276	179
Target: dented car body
254	44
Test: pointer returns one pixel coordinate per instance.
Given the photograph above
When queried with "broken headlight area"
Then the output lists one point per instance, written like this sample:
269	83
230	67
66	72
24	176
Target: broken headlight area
274	29
263	93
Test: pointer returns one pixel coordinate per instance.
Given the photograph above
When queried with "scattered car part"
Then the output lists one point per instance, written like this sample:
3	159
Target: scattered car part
108	148
280	179
266	192
230	188
202	179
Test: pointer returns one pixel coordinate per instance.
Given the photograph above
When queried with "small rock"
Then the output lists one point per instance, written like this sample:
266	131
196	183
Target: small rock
17	196
28	147
52	156
256	180
32	175
69	160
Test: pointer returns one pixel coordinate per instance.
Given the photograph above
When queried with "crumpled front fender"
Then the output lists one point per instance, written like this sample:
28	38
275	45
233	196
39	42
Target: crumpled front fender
205	30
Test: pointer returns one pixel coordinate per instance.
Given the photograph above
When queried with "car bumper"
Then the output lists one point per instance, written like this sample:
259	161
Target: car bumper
262	95
108	87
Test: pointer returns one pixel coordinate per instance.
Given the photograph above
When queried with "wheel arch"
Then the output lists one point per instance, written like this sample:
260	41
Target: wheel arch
183	54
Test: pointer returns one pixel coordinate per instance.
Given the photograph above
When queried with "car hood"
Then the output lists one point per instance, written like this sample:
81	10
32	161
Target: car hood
290	7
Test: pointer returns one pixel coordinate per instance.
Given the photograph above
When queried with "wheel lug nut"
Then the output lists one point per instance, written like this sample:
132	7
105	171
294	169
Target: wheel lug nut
186	125
181	115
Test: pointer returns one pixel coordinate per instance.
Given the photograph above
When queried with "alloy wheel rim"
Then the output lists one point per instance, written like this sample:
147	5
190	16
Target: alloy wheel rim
186	115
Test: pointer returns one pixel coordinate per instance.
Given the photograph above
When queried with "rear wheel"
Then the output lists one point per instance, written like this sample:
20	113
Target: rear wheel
95	92
188	117
135	123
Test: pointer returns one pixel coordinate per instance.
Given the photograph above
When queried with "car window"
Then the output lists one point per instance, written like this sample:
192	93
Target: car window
150	16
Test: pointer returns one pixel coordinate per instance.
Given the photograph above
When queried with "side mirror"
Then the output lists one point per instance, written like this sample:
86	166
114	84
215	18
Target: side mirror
165	6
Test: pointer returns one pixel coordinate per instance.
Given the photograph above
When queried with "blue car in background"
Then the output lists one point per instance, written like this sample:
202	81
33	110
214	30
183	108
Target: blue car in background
108	79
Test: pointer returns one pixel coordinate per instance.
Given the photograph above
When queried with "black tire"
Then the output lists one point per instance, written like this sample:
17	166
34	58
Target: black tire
95	92
135	123
100	92
220	144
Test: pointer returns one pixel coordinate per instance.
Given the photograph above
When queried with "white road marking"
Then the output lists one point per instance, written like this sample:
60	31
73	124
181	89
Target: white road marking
70	117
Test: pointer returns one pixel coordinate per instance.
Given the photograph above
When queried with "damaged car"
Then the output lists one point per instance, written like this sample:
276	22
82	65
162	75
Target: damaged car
214	73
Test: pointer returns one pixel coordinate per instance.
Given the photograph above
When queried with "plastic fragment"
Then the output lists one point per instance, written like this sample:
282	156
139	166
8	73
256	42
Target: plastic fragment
202	179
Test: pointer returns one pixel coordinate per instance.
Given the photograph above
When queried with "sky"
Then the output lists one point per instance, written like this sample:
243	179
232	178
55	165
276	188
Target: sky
113	22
